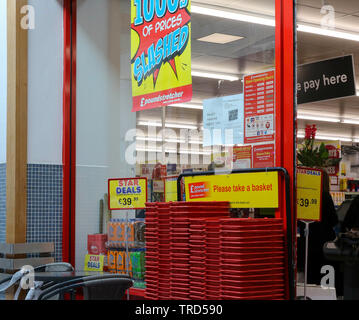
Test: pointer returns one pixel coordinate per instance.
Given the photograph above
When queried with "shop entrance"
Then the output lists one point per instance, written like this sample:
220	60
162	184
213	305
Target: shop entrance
213	92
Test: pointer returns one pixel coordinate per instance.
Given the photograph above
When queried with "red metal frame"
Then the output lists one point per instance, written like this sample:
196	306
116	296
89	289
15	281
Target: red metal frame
69	132
285	115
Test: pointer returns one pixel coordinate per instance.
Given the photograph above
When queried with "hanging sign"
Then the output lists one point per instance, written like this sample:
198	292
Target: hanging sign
223	120
327	79
160	53
259	107
94	262
244	190
127	193
309	194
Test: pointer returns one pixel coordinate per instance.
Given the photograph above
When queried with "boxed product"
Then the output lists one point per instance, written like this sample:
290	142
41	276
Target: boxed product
96	243
112	260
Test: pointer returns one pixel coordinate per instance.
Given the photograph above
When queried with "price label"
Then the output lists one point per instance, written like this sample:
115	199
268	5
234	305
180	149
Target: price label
94	262
127	193
309	194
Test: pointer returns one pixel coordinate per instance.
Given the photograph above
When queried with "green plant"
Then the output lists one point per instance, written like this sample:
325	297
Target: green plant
314	156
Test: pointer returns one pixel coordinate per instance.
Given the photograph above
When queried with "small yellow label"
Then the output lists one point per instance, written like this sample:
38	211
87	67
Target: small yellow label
171	189
309	194
94	262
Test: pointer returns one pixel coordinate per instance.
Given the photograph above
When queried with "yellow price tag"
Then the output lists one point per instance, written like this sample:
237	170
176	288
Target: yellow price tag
127	193
94	262
309	194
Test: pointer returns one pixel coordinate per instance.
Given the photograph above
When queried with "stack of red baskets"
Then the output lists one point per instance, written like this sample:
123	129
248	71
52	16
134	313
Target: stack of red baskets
180	253
213	281
152	274
164	254
197	242
252	259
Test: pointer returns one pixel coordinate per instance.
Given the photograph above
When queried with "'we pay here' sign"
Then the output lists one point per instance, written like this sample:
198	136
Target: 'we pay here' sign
328	79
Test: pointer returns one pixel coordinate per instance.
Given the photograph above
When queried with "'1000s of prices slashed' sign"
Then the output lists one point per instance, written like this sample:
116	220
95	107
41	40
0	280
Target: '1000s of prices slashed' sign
127	193
160	53
246	190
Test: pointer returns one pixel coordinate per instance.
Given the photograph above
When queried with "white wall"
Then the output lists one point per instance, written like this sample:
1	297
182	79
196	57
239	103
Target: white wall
45	83
103	107
3	80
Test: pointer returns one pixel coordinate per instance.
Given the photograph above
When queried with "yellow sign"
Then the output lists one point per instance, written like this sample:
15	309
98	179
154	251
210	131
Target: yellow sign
243	190
127	193
171	189
94	262
309	194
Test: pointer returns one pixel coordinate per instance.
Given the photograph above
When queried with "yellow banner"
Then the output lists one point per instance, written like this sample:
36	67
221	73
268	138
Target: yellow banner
309	194
160	53
243	190
127	193
94	262
170	189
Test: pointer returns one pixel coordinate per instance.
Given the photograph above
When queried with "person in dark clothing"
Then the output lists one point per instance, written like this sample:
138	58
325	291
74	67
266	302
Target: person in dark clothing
319	233
351	220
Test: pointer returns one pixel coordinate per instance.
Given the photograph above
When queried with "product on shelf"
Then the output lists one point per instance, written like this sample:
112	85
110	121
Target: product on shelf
112	260
122	233
96	244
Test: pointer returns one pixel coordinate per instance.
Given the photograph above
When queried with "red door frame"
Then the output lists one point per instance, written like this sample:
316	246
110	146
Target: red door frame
69	132
285	52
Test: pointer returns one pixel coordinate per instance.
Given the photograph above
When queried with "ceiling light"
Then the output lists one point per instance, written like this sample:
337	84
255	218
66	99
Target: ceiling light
148	139
187	106
167	140
174	151
167	125
317	118
270	21
214	75
319	137
351	121
327	32
220	38
324	137
226	14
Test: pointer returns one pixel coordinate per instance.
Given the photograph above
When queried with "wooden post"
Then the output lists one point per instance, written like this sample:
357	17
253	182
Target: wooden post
16	158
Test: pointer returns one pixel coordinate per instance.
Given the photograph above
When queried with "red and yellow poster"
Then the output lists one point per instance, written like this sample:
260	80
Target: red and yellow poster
160	53
259	107
242	157
263	156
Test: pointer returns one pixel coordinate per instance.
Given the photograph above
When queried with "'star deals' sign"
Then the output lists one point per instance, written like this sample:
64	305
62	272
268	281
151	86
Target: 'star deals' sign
246	190
127	193
160	53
